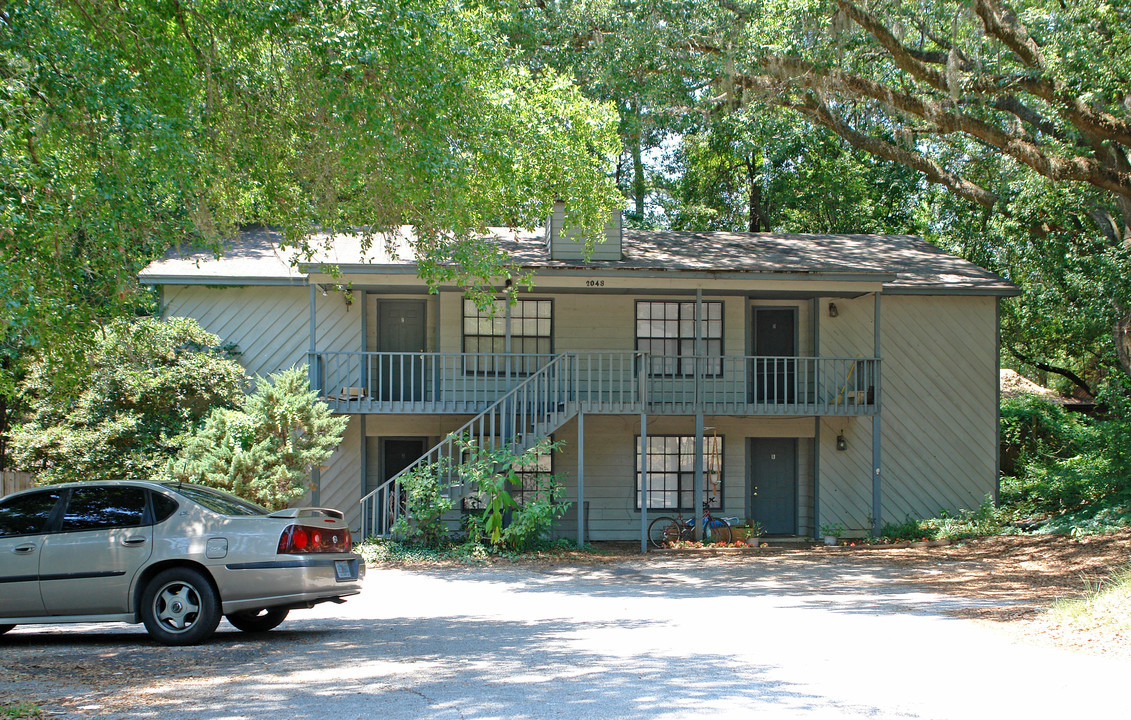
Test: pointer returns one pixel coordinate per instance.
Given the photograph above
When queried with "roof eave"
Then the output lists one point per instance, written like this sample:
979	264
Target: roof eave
225	280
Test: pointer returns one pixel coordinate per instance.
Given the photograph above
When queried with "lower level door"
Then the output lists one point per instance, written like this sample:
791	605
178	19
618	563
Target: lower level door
773	484
392	455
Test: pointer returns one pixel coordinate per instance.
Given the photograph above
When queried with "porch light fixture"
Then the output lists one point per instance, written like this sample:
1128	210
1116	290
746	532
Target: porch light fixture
833	312
841	443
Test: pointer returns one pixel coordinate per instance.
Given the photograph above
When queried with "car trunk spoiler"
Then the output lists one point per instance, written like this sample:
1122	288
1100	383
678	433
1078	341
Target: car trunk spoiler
305	512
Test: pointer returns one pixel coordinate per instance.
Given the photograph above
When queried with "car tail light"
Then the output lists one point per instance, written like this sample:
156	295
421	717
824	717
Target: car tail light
313	539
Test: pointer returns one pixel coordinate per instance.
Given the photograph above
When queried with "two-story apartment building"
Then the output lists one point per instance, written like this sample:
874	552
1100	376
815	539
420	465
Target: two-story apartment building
795	380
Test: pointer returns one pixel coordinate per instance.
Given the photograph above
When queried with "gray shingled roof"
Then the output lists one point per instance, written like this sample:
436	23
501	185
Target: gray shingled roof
911	264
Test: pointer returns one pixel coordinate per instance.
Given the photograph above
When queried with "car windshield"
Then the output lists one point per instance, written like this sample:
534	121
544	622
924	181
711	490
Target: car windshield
217	501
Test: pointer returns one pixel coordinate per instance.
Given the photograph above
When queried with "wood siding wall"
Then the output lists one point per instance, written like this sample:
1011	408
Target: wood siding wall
340	481
271	325
939	396
610	462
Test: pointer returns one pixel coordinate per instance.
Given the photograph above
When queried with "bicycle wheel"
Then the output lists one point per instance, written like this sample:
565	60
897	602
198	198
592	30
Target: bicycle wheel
717	531
663	531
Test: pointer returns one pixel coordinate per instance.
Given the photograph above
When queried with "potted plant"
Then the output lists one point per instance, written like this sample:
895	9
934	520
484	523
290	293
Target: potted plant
832	532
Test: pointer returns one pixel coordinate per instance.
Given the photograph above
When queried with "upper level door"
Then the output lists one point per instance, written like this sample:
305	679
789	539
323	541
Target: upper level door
401	328
775	345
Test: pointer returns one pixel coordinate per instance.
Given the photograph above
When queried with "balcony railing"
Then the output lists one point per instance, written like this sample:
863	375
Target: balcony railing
600	382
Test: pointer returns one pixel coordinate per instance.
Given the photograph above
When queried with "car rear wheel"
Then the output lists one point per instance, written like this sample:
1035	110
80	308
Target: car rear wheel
5	628
179	607
258	621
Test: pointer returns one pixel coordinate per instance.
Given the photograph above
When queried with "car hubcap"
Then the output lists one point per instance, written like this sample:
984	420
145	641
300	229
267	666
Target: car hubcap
177	606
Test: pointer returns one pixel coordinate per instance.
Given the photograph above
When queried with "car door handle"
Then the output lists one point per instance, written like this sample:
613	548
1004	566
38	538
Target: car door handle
136	540
24	549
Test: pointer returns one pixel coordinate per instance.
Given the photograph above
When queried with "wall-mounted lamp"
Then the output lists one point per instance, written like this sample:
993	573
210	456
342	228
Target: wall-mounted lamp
833	312
841	443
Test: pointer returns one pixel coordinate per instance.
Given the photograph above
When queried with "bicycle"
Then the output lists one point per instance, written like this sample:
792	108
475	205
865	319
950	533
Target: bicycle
667	530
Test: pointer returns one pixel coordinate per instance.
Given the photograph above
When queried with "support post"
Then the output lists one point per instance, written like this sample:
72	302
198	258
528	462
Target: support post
315	383
816	313
643	482
699	328
877	485
698	487
580	479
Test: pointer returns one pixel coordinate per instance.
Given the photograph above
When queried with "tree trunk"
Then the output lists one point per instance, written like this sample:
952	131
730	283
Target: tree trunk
759	219
1121	336
638	189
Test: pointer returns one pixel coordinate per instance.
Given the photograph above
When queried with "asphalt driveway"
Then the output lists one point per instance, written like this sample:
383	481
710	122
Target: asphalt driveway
655	638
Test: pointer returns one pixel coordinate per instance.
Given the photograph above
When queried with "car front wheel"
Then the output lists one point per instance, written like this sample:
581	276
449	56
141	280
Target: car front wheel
179	607
258	621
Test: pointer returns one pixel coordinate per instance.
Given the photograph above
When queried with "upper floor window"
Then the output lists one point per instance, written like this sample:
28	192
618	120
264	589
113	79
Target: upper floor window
666	331
531	333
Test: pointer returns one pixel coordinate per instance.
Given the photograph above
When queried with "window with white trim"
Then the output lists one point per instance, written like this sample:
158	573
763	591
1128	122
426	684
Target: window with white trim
671	472
666	331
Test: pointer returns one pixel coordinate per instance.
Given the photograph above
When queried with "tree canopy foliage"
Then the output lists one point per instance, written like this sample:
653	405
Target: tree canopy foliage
147	382
1019	110
130	127
263	449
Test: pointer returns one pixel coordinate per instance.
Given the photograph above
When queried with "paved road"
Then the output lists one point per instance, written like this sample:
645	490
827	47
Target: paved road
667	638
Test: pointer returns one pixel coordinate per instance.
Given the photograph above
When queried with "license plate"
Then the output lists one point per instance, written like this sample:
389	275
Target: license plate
343	570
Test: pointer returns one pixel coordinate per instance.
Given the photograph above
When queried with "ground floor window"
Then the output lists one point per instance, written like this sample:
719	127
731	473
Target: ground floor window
532	479
531	484
671	472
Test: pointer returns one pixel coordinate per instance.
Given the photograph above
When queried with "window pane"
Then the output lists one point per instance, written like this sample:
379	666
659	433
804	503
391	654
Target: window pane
27	514
163	507
219	502
104	507
671	475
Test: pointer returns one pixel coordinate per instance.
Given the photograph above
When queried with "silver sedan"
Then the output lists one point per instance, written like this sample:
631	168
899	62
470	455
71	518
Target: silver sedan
172	556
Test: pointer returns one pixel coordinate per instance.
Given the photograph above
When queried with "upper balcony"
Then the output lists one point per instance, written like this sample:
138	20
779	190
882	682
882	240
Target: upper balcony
601	382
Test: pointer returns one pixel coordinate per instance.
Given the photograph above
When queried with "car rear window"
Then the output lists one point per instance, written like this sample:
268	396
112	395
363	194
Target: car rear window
27	514
163	507
94	508
218	502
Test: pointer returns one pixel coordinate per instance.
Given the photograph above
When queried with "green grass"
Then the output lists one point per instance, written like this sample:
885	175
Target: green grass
20	710
1106	606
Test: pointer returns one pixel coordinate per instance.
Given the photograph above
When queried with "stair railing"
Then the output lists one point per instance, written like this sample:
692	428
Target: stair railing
531	410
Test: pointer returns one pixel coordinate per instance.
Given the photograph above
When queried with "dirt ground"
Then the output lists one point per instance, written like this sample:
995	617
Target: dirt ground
1024	574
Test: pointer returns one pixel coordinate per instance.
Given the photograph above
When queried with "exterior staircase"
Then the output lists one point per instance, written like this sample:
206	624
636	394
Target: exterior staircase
530	411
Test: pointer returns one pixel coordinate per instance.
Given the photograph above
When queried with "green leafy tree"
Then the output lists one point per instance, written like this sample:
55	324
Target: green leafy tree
129	127
502	522
264	449
148	382
426	500
1018	110
753	170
